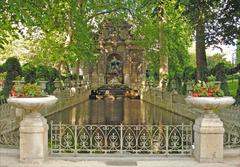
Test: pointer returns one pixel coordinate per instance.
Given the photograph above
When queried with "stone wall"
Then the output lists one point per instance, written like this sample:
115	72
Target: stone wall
169	101
67	99
175	103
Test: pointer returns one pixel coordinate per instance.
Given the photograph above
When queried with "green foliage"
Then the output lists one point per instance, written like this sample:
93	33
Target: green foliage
29	73
42	72
238	52
237	97
57	21
13	69
27	90
209	88
189	74
221	19
52	75
2	75
176	36
178	80
204	72
216	59
33	74
220	72
233	86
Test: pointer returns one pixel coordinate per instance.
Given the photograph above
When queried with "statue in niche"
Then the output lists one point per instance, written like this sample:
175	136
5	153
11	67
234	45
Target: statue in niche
114	71
115	66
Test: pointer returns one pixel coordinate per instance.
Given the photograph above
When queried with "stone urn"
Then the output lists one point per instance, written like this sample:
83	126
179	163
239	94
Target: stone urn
209	104
33	128
32	104
57	84
208	128
43	84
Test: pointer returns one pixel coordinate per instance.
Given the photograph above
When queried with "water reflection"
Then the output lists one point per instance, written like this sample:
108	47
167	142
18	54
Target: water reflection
126	111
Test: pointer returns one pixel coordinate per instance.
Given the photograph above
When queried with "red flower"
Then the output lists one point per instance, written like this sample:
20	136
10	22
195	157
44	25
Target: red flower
195	94
13	93
210	91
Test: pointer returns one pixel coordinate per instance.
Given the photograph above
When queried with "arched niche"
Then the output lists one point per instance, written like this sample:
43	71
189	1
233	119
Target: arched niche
114	69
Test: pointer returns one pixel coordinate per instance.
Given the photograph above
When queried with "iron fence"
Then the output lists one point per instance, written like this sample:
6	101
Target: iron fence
10	139
121	139
232	136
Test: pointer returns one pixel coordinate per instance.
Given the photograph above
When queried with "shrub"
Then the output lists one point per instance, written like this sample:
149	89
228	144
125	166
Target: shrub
13	69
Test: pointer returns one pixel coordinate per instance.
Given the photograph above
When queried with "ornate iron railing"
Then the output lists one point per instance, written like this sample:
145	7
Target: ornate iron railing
120	139
232	136
10	139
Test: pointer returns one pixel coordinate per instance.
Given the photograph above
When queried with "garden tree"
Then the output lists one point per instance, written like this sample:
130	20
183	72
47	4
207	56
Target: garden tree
49	16
21	48
238	62
68	38
175	34
214	22
13	69
163	70
216	59
238	52
15	16
6	25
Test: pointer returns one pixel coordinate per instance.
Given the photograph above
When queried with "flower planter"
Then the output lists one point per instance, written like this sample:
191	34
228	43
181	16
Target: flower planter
43	84
32	104
33	128
57	84
208	104
208	128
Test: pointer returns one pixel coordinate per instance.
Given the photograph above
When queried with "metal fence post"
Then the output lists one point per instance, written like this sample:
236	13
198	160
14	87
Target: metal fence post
182	137
121	138
75	139
51	133
166	140
60	137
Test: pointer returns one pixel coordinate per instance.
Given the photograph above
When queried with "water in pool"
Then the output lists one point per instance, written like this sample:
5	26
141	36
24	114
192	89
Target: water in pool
124	110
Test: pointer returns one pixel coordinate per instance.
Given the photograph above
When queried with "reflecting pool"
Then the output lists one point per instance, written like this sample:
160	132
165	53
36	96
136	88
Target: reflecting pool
123	110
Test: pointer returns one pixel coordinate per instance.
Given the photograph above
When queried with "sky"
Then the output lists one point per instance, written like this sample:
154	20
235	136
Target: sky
228	50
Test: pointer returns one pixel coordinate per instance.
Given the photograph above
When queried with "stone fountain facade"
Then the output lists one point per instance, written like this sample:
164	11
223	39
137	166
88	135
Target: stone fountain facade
120	61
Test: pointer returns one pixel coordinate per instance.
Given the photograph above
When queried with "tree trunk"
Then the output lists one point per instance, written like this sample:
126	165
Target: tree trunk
163	70
201	59
77	70
59	67
238	51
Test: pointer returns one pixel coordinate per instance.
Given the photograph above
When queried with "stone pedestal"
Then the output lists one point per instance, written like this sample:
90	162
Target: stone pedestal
208	138
33	138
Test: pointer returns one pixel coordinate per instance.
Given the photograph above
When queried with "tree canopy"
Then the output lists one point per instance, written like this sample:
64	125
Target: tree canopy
215	22
66	31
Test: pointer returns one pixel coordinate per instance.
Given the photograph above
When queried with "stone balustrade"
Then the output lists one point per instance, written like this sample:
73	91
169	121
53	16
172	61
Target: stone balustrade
176	103
169	101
